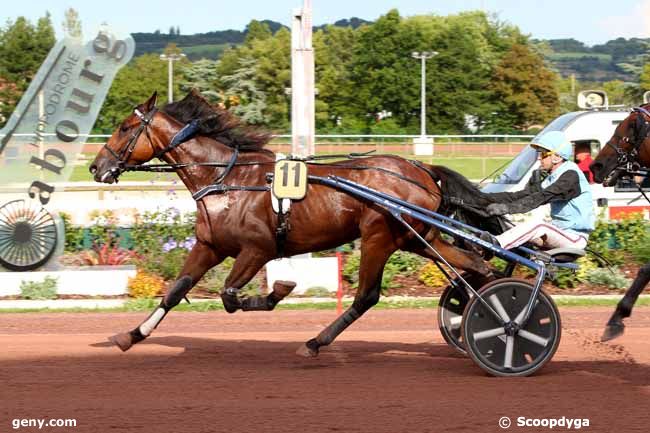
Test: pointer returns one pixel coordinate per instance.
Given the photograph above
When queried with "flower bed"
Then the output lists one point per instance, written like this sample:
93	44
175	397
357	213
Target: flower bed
158	244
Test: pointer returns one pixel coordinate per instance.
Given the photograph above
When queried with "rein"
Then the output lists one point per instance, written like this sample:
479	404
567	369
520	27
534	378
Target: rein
217	186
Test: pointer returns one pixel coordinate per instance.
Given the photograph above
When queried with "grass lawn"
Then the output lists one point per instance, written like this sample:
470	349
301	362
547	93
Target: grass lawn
470	167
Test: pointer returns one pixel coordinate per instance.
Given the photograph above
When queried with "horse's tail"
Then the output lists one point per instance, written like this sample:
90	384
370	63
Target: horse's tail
455	188
463	199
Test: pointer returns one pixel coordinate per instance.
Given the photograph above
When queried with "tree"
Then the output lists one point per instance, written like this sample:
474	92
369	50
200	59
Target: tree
72	24
241	88
23	48
133	84
202	75
644	77
524	90
272	73
256	30
333	51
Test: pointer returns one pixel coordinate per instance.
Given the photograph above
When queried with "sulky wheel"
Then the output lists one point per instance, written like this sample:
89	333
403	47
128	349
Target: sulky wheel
450	312
511	350
27	235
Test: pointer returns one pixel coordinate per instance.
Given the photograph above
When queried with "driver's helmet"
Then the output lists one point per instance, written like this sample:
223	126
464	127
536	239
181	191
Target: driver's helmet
553	141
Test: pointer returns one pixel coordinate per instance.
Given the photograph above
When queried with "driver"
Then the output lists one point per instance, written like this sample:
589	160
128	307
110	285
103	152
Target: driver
564	187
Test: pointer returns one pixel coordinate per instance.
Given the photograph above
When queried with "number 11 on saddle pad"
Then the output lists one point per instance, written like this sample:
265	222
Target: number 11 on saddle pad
290	179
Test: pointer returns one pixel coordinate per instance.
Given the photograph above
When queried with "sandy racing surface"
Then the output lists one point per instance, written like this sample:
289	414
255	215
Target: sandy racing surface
389	372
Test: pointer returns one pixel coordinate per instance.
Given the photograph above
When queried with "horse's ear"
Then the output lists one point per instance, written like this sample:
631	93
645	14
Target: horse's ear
151	102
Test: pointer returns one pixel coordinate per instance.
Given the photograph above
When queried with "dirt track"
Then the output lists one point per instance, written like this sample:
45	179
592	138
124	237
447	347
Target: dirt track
390	372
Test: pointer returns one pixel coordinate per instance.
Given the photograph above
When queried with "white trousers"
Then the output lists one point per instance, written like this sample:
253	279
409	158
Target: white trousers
541	234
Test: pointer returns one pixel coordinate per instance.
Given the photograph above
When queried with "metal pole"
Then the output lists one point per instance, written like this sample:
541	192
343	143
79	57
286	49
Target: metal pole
423	101
423	56
170	71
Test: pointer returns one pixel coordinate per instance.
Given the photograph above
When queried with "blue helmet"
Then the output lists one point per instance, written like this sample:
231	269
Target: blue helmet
553	141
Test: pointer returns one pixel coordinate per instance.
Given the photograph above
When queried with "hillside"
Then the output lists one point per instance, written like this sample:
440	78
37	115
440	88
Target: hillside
618	59
210	45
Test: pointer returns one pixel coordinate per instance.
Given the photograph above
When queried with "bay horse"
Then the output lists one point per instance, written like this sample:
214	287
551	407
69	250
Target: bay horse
225	166
626	152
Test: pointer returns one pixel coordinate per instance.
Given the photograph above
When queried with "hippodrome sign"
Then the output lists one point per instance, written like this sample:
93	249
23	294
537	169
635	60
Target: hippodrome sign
44	135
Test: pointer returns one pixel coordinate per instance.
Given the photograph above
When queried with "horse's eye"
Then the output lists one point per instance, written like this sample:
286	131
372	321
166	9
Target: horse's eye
124	128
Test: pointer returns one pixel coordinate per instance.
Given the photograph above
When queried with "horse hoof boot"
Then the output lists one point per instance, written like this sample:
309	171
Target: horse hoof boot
231	302
613	331
307	352
283	288
123	340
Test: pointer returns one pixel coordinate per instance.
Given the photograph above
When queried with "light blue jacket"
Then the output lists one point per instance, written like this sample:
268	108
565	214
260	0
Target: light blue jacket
575	215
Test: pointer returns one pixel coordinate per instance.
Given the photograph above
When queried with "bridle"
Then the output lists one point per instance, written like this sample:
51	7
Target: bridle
126	151
627	160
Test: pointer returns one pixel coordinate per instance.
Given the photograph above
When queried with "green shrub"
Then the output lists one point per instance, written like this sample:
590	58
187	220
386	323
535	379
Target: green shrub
152	230
613	238
604	277
215	280
167	265
400	263
45	289
317	292
74	235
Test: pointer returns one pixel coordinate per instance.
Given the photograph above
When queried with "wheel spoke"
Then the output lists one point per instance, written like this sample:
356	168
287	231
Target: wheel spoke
533	337
496	303
455	321
482	335
510	346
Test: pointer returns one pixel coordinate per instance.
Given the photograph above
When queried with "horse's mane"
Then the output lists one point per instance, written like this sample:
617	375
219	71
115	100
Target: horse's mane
217	123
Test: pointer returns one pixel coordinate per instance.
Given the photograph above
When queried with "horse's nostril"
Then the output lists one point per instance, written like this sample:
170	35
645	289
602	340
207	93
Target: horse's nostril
92	169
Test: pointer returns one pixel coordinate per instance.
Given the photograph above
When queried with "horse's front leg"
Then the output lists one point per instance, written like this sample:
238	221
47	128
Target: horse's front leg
247	264
201	258
615	326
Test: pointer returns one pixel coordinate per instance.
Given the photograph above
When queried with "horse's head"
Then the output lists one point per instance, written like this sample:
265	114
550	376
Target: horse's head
131	143
627	151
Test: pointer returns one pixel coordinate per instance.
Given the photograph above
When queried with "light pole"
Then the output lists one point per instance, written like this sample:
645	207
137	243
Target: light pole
170	59
423	56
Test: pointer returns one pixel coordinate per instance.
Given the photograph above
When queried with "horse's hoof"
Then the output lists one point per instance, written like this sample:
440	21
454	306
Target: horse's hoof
307	352
123	340
612	331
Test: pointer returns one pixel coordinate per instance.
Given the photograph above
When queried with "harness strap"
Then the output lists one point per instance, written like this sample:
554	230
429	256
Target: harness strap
185	133
281	231
221	188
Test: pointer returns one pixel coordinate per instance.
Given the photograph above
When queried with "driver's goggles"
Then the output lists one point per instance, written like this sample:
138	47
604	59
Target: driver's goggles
546	153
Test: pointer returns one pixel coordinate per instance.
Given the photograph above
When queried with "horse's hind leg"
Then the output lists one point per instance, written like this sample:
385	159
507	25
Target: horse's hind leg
456	257
615	326
201	258
374	254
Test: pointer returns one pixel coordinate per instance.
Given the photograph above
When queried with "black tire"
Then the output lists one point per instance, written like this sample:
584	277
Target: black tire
28	235
532	346
451	306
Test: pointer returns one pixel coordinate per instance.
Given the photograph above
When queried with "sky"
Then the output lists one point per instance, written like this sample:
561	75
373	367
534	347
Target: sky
589	21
